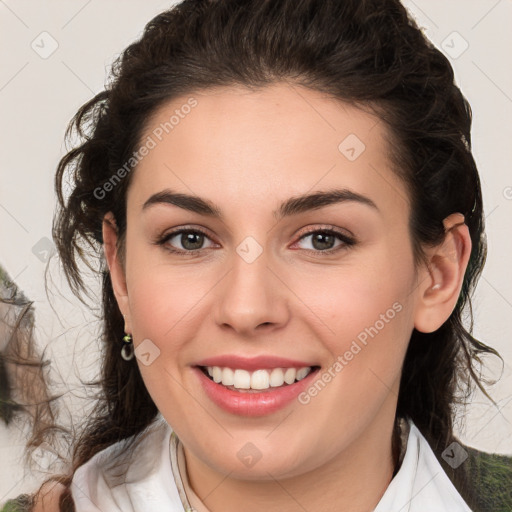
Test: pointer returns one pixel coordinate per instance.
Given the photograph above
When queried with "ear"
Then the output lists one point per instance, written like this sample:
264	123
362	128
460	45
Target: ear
117	273
440	284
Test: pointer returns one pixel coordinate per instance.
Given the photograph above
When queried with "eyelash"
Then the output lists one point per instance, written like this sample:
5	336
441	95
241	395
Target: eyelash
347	242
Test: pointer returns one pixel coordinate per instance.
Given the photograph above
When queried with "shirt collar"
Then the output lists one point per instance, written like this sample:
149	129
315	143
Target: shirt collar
152	476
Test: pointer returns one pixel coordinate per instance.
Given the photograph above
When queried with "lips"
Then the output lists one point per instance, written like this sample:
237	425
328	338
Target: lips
254	363
249	401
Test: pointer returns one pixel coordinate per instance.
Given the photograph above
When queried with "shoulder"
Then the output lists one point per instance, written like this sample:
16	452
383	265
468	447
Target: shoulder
133	459
491	477
22	503
483	479
46	500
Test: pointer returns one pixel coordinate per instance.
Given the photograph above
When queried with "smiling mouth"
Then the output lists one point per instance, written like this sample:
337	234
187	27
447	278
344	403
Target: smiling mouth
258	380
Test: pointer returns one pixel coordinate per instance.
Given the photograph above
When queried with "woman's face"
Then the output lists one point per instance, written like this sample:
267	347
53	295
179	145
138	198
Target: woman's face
273	279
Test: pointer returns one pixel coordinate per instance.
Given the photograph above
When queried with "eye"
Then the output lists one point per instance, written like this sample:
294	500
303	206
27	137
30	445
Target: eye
191	240
324	240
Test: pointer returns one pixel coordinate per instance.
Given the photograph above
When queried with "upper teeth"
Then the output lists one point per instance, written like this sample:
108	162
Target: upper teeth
259	379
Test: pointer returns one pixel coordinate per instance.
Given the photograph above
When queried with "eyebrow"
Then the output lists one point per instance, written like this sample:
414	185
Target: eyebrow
292	206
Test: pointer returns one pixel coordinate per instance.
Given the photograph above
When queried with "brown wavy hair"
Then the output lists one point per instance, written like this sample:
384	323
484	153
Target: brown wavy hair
368	53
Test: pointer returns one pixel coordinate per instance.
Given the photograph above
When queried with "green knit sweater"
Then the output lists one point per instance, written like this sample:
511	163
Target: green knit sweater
489	482
486	484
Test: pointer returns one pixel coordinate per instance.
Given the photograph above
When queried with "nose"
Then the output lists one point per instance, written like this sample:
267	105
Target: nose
251	299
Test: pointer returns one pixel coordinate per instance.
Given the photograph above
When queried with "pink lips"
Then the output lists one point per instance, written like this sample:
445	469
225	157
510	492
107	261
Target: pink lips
254	403
253	363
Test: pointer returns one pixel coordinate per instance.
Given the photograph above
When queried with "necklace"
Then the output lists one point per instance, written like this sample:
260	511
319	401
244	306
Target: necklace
173	449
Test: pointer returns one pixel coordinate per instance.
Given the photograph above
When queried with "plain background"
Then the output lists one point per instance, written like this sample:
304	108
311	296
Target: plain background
39	93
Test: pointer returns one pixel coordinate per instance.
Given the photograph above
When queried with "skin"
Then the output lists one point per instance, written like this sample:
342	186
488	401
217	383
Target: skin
48	497
247	152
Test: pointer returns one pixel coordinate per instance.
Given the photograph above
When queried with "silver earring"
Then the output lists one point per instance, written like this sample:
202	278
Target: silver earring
127	352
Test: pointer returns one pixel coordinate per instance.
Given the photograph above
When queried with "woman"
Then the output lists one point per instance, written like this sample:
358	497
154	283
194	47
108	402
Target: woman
291	222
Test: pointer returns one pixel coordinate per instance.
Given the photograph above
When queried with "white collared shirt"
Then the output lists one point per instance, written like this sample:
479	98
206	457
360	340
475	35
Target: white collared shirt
148	478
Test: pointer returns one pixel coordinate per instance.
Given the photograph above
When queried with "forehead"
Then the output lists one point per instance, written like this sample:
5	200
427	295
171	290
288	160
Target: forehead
235	145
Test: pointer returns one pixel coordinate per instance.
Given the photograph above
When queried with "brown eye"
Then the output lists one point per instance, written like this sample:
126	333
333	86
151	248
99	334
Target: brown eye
324	240
185	240
191	240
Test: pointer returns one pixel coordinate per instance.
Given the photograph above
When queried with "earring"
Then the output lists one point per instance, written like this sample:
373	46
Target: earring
127	352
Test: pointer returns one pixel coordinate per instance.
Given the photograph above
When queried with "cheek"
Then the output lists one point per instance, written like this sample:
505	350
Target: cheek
367	339
157	302
366	317
160	322
163	297
353	298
